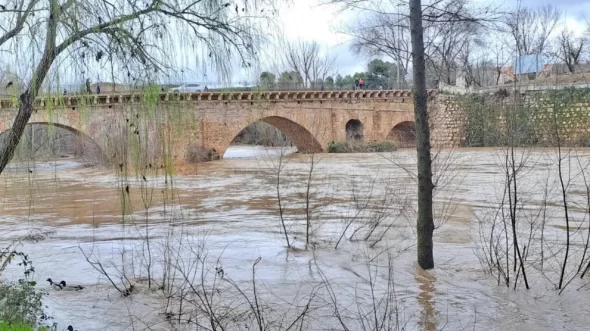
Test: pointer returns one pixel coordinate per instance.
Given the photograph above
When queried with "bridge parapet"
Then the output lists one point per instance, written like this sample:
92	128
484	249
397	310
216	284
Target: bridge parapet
249	96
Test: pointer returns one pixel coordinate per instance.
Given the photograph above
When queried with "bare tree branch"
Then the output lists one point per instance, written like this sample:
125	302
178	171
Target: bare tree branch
531	28
305	59
570	49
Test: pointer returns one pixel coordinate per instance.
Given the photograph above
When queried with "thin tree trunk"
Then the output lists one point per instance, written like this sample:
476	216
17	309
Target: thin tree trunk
425	222
565	207
27	99
18	127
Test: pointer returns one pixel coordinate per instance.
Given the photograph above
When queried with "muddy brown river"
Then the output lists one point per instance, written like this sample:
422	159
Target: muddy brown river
216	220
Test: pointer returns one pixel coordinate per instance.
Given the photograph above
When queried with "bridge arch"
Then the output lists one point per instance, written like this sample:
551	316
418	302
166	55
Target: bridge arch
84	138
403	134
300	136
354	130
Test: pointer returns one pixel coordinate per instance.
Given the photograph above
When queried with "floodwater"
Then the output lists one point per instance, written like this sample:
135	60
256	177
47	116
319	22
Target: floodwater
225	215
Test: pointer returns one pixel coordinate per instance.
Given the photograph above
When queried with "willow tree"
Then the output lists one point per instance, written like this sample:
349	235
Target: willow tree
138	37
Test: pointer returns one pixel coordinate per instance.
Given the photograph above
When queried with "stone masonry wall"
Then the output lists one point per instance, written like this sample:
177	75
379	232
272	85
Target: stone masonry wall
536	118
447	122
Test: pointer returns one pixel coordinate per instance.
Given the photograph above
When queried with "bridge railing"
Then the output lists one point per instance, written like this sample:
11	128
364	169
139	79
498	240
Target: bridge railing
123	88
140	96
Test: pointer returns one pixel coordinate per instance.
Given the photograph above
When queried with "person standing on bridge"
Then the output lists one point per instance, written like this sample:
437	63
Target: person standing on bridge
97	89
88	90
356	84
361	83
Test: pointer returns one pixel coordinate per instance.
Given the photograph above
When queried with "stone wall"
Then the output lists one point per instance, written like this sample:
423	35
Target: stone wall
562	114
529	118
447	122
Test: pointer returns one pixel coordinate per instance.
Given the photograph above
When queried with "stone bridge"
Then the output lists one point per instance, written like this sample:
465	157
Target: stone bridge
211	120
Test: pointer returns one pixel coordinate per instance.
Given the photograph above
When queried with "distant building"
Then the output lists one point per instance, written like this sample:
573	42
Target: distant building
506	75
529	64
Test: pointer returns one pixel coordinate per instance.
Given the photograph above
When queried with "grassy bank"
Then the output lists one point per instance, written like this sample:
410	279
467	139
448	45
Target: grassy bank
361	147
20	327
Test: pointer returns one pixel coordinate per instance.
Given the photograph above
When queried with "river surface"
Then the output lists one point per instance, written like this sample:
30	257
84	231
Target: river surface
228	210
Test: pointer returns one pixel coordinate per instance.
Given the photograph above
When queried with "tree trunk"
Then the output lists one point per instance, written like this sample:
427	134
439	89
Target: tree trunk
425	222
27	99
18	127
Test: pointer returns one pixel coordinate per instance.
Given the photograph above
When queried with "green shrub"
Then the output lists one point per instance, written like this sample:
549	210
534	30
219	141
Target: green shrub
15	327
20	327
338	147
20	303
381	146
361	147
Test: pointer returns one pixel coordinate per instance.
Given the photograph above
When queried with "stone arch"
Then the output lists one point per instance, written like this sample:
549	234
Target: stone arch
354	130
300	136
69	128
403	134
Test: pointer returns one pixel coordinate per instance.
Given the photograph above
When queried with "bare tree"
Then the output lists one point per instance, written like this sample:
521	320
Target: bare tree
530	28
446	42
299	56
305	58
322	68
435	14
134	35
448	25
382	33
472	68
570	49
480	65
499	55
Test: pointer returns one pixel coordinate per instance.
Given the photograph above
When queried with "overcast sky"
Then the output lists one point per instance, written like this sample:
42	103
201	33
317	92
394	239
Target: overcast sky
309	20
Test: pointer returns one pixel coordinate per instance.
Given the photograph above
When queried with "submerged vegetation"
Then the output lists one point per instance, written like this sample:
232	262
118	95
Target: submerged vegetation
361	147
